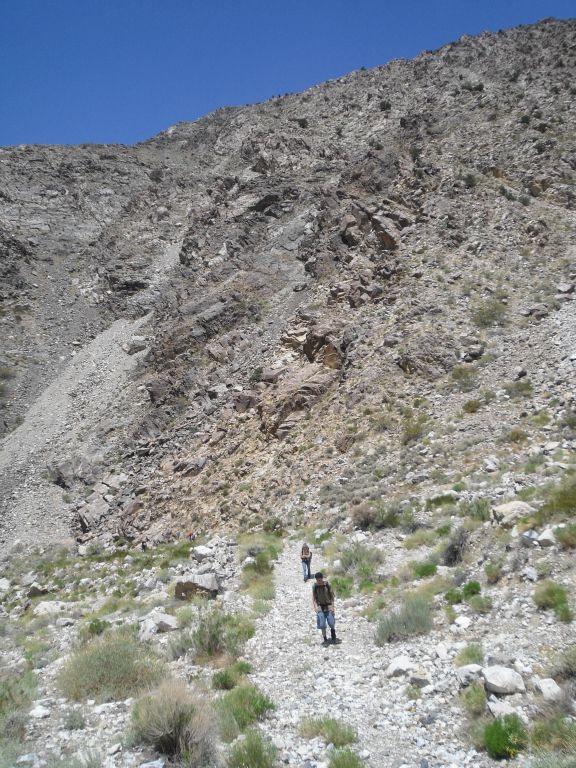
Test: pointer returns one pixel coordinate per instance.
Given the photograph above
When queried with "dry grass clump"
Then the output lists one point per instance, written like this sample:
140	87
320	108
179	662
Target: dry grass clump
329	729
176	724
413	618
109	668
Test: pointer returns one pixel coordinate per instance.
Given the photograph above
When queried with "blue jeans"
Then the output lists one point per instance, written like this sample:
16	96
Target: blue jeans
306	568
324	617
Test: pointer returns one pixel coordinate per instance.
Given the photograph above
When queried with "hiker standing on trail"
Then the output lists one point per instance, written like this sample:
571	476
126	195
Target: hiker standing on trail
323	602
306	558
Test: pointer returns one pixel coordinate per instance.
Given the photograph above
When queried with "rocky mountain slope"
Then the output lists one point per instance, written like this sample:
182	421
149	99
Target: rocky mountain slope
344	315
285	308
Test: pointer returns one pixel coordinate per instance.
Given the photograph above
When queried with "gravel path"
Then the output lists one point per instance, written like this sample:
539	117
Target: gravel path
347	682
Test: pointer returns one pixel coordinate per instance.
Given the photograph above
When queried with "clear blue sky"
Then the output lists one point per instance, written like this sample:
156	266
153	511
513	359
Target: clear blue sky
75	71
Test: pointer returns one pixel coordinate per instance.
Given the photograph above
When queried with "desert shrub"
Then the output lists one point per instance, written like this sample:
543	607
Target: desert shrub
175	723
552	595
470	654
453	596
253	751
556	732
413	618
357	555
561	501
344	758
471	588
421	537
89	759
493	572
110	667
556	759
456	547
480	604
243	706
424	569
505	737
477	509
515	435
95	627
465	377
566	536
489	312
179	643
520	388
74	720
471	406
229	677
473	699
219	632
563	666
414	426
363	515
328	729
342	586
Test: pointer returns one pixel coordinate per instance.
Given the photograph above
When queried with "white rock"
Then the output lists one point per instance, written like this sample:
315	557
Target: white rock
401	665
4	585
500	708
507	514
201	552
503	680
463	622
547	538
39	712
549	689
468	673
50	607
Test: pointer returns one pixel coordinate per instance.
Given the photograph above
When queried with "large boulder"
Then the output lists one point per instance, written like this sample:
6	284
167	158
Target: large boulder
503	680
507	514
204	585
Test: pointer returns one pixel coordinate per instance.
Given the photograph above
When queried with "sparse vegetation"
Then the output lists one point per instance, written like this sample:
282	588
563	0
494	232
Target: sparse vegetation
413	618
231	676
424	569
549	594
456	548
176	724
470	654
489	312
473	699
465	377
332	731
110	667
219	632
477	509
344	758
240	708
254	751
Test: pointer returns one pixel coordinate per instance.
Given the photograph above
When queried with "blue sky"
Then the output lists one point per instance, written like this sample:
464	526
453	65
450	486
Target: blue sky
113	71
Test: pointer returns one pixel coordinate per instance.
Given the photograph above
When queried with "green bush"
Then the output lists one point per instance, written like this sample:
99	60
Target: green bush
231	676
477	509
173	722
358	555
493	572
453	596
342	586
94	628
489	312
470	654
252	752
471	588
480	604
344	758
424	570
465	377
328	729
219	632
413	618
471	406
548	594
505	737
473	699
561	501
111	667
520	388
243	706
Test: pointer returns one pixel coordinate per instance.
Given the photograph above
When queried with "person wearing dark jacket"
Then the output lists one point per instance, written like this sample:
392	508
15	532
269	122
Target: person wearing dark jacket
323	604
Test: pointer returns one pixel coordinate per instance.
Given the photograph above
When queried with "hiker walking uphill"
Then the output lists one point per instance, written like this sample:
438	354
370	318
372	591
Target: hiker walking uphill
323	603
306	559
